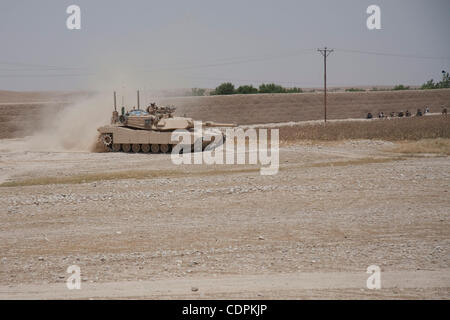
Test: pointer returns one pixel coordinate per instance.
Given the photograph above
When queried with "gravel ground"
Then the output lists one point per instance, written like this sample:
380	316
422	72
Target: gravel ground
331	209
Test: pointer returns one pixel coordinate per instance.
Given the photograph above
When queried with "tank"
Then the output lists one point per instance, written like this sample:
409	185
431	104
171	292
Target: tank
150	130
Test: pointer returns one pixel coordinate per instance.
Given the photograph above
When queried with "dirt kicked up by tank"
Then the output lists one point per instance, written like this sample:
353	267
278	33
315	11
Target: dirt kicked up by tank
151	130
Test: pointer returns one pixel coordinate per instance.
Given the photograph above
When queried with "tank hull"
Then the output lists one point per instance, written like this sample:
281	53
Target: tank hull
126	135
120	138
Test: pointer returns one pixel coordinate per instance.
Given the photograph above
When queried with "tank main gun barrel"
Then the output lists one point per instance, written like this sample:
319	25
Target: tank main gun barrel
138	102
218	124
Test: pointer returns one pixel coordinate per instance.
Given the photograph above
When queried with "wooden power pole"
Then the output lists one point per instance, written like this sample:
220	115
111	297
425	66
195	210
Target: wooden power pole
325	53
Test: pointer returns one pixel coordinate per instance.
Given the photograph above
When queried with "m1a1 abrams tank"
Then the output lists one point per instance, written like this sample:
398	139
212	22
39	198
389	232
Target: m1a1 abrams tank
151	130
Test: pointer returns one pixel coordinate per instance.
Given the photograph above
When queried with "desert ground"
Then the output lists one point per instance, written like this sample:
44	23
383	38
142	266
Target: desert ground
139	226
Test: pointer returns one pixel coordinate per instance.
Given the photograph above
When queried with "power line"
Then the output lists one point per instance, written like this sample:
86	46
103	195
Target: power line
181	65
38	66
411	56
45	75
246	80
221	62
234	59
232	62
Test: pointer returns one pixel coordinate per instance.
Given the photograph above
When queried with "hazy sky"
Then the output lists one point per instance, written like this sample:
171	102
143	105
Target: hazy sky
201	43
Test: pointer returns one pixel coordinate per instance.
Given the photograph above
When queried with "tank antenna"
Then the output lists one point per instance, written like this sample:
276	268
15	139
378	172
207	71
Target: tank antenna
138	105
115	104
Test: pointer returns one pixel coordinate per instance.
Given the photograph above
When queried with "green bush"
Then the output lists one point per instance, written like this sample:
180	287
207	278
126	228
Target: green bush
246	89
429	85
400	87
445	83
354	90
294	90
228	88
223	89
271	88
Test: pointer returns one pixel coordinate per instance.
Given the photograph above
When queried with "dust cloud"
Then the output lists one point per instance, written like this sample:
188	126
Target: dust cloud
73	127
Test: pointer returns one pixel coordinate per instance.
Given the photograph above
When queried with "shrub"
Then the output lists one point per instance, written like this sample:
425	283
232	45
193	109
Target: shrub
294	90
224	88
228	88
271	88
354	90
401	87
429	85
445	83
246	89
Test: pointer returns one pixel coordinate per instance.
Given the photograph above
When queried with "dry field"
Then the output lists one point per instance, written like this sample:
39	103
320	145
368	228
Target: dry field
269	108
20	119
18	97
347	196
396	129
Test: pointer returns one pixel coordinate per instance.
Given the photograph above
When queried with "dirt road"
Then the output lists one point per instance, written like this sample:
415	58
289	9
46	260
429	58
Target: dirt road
330	212
300	285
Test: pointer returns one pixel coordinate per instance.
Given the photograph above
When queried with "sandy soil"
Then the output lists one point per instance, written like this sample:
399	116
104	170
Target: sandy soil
310	231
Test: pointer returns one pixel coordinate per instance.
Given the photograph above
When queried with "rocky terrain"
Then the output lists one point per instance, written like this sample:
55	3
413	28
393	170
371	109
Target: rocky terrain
197	231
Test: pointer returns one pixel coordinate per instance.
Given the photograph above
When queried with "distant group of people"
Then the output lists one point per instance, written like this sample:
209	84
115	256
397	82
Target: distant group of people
419	113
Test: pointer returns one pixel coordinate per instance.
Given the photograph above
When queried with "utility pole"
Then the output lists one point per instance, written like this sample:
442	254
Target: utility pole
325	53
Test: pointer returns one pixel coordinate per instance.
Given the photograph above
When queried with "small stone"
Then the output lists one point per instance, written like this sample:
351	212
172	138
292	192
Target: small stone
260	238
194	289
41	258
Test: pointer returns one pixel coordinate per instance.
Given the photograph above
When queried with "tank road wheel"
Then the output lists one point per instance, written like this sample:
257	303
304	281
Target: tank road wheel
136	147
155	148
116	147
106	139
126	147
145	148
165	148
